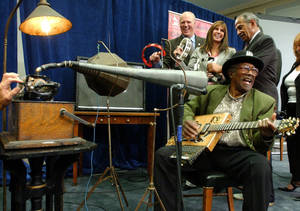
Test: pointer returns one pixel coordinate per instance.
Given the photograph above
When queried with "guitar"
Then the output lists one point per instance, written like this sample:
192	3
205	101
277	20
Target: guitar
212	126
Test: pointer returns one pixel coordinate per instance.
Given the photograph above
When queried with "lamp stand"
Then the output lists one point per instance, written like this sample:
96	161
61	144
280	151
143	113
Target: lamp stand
65	26
151	190
4	116
109	172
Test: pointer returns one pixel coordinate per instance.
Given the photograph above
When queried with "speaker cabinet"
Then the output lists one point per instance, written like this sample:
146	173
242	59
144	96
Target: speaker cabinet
132	99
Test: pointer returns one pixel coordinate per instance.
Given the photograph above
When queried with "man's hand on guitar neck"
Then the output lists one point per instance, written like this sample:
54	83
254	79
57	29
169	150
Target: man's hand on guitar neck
267	128
190	129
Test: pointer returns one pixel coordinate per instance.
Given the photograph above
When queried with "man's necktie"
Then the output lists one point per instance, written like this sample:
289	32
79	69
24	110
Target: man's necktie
193	44
246	46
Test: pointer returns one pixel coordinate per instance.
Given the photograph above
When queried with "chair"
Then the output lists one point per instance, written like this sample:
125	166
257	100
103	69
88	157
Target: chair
281	140
213	180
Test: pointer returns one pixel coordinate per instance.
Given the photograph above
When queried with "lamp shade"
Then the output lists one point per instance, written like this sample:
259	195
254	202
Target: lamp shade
44	21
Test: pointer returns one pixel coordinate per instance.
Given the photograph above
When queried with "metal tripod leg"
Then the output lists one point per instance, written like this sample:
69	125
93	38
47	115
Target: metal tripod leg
113	176
150	190
111	170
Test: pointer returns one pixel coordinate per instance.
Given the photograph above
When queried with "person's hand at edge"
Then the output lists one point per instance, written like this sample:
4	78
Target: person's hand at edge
6	93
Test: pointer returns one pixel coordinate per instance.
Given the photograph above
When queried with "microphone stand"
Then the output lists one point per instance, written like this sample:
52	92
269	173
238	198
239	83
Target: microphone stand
109	172
151	190
178	144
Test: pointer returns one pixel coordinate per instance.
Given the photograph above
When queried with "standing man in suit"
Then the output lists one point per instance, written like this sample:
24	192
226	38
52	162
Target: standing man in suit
262	46
187	26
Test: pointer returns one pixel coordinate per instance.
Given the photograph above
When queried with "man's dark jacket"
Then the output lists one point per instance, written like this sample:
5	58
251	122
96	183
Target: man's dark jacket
263	47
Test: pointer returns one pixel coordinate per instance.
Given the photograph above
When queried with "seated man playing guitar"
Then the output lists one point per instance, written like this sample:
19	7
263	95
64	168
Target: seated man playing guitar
238	153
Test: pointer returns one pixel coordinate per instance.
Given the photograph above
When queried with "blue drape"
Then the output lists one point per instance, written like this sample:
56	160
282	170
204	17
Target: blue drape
126	26
5	9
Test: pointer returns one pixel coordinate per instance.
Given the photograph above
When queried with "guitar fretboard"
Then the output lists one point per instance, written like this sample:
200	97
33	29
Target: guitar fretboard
235	126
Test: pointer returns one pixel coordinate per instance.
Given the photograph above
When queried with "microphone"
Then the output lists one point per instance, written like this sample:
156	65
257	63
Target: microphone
186	46
196	80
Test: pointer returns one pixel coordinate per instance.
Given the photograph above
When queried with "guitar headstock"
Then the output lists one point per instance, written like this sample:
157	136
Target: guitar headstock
288	126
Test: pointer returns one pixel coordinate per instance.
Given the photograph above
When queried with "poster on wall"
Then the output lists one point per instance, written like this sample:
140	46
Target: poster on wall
201	26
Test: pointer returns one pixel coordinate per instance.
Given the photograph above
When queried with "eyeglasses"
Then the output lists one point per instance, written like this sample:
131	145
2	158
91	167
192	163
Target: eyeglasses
254	70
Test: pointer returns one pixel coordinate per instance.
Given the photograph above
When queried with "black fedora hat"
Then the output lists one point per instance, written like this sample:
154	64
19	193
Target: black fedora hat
241	57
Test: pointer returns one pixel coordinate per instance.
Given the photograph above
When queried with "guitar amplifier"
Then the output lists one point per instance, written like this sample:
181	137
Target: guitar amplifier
132	99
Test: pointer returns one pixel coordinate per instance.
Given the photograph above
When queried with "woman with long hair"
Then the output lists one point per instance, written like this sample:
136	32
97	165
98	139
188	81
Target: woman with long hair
213	54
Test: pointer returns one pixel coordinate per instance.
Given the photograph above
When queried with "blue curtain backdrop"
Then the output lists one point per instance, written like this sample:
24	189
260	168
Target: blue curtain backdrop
126	26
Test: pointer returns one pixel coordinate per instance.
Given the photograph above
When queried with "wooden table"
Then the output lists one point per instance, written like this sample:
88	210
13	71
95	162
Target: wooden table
57	161
126	118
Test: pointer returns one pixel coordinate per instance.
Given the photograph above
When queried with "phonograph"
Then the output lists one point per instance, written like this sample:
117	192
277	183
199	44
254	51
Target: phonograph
35	120
34	116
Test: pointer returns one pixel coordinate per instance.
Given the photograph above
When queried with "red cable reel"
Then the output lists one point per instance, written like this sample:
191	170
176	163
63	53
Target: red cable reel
149	63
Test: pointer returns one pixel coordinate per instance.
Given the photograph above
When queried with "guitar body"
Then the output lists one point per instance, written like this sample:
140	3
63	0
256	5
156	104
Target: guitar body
206	139
211	128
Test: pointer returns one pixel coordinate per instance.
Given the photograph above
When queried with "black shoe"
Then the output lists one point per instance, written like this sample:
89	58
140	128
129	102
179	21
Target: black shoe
287	189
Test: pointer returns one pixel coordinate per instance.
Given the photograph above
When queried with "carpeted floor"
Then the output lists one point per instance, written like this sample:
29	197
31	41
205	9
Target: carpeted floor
135	183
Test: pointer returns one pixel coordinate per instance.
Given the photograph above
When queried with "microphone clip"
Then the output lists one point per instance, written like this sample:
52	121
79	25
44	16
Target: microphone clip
178	86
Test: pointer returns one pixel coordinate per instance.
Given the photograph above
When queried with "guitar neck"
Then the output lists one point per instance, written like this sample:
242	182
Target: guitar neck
235	126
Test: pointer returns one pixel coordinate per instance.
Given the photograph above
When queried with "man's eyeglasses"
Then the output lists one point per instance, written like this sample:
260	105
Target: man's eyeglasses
254	70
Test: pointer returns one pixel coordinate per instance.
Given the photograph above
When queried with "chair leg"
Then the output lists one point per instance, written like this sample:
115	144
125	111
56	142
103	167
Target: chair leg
207	198
281	147
75	172
230	199
269	155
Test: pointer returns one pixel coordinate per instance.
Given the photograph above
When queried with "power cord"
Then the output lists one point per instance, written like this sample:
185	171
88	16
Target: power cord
92	156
